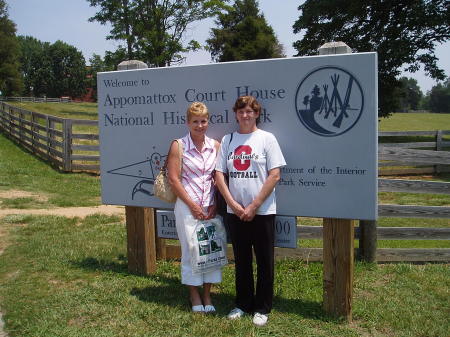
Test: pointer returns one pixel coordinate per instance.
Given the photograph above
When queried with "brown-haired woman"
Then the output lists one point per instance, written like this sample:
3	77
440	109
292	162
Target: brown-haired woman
252	159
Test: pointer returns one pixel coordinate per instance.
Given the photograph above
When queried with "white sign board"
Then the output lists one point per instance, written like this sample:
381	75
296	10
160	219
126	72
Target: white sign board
322	109
285	229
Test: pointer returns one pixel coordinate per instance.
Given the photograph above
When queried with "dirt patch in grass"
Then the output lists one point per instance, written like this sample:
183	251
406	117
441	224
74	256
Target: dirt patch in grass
14	194
80	212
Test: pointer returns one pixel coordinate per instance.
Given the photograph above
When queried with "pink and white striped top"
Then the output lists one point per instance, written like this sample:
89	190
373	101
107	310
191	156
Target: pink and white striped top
197	172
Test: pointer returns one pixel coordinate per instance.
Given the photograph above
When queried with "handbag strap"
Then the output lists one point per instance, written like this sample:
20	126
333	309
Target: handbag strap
180	150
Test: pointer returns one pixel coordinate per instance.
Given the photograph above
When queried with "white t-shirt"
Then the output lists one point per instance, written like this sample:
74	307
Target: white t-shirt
247	160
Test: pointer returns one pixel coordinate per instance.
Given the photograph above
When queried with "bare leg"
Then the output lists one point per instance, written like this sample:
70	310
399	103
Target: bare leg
194	295
207	293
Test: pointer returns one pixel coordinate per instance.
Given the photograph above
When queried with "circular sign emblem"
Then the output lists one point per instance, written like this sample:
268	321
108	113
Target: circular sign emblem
329	101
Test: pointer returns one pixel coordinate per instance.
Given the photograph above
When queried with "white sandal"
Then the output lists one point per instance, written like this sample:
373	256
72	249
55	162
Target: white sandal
198	308
209	309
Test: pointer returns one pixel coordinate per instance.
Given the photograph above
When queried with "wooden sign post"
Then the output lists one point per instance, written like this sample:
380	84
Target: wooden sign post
338	245
141	238
140	221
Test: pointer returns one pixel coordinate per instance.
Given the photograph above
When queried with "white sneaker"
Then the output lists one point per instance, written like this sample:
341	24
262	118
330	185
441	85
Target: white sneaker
235	313
260	319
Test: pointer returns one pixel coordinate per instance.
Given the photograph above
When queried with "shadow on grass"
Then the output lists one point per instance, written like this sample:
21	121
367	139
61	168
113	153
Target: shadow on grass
304	308
175	294
171	292
94	264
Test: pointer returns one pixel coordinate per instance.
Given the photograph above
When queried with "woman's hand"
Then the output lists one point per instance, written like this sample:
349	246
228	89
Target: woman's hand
197	212
237	208
212	210
249	213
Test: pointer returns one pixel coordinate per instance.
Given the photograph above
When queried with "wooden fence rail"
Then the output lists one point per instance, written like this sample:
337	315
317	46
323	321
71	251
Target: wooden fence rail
423	156
72	145
36	99
60	141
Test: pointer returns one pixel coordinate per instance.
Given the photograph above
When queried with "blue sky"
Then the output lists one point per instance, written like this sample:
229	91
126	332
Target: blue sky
67	20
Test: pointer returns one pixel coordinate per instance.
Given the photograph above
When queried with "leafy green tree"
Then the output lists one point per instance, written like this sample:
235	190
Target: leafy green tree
10	79
154	30
35	65
243	34
439	97
403	33
52	70
68	70
409	94
97	64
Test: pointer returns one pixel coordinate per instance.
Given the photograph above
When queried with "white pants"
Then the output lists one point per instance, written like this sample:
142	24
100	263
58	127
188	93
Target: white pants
185	230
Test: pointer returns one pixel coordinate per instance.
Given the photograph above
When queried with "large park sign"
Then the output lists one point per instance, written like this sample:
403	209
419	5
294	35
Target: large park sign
322	109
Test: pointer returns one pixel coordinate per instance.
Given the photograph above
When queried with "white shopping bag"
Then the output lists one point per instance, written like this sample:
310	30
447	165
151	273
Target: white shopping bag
208	246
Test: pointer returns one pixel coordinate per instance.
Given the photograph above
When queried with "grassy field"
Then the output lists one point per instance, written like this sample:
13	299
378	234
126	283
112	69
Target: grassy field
415	122
63	110
68	276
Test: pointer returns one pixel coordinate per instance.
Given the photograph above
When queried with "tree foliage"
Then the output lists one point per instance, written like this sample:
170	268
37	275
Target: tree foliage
243	34
35	65
154	30
97	64
52	70
438	99
403	33
409	94
10	78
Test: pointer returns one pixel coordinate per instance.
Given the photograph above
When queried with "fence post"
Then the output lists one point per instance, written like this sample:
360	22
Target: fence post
367	240
33	132
338	244
439	147
2	113
48	127
21	126
67	145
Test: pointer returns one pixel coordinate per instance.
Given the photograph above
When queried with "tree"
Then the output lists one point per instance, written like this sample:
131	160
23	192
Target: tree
97	65
68	70
153	30
439	97
243	34
10	79
403	33
35	65
52	70
409	94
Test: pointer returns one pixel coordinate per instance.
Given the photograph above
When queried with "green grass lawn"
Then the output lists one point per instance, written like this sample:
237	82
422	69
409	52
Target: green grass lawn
63	110
415	122
68	277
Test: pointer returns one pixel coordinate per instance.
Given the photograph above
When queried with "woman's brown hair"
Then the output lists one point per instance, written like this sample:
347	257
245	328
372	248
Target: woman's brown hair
251	101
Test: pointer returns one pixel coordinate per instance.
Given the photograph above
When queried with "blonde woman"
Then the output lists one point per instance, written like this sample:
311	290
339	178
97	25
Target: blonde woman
194	187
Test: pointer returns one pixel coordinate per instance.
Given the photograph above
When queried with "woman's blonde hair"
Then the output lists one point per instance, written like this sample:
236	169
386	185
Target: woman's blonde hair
197	109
